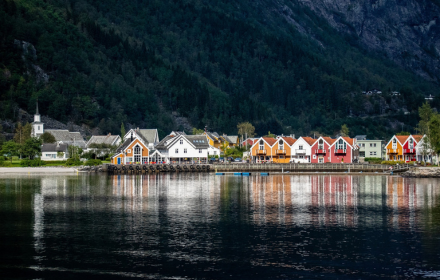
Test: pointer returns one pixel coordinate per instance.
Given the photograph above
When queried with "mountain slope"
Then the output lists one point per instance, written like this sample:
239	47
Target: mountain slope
142	62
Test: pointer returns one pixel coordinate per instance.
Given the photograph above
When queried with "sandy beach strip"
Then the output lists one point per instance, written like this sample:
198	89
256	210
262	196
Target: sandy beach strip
37	170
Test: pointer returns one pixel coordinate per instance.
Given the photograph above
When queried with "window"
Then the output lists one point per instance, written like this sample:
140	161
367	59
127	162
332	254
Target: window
137	150
300	147
372	153
394	143
137	158
177	151
261	145
38	127
281	157
200	151
281	145
371	144
144	160
301	157
128	151
321	144
129	159
181	141
314	156
374	145
411	144
185	151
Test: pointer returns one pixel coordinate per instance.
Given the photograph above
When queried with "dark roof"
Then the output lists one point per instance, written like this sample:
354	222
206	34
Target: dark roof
199	141
361	137
162	145
123	146
103	139
48	147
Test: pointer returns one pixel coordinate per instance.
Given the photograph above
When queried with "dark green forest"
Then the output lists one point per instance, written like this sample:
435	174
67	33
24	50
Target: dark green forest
215	63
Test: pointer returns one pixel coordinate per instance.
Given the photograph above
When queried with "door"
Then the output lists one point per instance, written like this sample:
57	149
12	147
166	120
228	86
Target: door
119	160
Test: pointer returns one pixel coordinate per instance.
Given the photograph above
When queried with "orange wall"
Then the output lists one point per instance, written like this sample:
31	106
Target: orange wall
287	156
399	150
145	151
257	147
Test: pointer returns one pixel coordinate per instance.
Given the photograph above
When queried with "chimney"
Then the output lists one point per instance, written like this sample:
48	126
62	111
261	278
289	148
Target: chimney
109	134
132	136
292	135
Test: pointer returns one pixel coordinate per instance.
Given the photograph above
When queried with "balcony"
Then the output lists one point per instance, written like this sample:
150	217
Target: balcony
261	152
280	152
300	152
340	151
409	151
392	151
320	151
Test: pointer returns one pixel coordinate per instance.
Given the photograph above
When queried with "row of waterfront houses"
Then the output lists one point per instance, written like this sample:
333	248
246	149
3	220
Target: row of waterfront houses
144	146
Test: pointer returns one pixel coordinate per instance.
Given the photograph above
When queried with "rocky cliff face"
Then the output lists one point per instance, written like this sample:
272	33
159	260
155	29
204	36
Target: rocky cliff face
407	32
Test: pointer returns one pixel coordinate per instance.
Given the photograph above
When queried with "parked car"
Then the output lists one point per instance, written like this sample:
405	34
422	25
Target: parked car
230	159
237	160
221	159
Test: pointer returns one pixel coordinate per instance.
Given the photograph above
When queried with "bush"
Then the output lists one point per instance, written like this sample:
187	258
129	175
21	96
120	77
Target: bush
389	162
93	162
373	160
32	162
73	162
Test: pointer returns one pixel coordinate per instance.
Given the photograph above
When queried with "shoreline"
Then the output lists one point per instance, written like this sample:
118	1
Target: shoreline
37	170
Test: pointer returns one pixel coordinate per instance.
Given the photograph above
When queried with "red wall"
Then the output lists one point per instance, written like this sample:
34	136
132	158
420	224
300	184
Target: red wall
337	158
315	147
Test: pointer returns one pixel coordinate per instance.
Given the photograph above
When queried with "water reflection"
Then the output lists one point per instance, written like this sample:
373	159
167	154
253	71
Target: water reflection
201	225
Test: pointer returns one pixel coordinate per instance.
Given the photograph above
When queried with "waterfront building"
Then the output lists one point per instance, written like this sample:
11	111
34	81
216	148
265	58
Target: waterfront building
344	150
302	150
52	152
148	136
403	147
185	148
261	151
320	150
369	148
424	152
132	151
281	151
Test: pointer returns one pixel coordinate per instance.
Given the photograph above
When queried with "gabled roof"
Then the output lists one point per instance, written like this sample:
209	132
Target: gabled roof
309	140
329	140
103	139
163	145
289	140
199	141
67	137
212	136
417	138
48	147
150	135
269	140
402	138
233	138
126	144
349	140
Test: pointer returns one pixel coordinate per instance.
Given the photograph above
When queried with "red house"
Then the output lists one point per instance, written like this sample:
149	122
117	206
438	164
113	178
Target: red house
409	147
321	150
344	150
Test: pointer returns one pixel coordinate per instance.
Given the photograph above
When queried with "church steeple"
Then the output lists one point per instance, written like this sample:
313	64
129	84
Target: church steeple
37	125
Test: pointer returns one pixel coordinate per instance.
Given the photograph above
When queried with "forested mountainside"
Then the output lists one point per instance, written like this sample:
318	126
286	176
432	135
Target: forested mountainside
277	64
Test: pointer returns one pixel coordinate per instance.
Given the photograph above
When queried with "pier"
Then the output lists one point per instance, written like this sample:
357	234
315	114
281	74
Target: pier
252	167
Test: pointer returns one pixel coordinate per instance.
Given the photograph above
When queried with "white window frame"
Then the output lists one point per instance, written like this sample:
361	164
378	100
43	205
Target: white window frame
176	151
185	151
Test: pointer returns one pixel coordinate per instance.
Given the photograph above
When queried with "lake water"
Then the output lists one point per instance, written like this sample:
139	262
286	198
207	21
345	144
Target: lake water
202	226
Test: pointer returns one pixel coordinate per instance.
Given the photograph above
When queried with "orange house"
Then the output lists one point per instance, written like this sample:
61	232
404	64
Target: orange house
267	149
282	150
395	147
132	151
261	151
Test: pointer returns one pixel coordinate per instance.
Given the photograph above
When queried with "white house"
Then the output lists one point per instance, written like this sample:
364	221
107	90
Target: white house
51	152
302	150
184	148
424	152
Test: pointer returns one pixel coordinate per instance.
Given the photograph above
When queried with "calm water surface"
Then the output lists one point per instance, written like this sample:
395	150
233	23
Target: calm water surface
200	226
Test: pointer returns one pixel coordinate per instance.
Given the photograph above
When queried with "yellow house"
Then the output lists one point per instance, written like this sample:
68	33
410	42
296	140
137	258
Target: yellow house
394	148
132	151
213	139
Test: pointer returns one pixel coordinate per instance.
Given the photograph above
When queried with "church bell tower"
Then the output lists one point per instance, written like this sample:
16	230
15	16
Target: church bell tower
37	125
